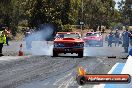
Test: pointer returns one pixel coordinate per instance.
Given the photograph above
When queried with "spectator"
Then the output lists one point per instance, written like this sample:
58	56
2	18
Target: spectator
7	33
2	41
130	37
27	33
125	36
28	40
103	30
116	37
106	38
110	39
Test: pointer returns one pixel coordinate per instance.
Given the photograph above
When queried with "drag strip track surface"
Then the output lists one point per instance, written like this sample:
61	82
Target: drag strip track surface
49	72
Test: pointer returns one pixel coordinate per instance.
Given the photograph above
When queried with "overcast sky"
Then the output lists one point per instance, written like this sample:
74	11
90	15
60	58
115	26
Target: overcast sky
116	6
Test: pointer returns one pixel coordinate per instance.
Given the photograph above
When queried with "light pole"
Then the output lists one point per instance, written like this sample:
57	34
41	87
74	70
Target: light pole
82	9
81	23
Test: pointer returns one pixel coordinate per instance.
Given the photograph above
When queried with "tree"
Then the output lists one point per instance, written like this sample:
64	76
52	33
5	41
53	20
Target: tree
98	12
65	12
57	12
125	8
5	11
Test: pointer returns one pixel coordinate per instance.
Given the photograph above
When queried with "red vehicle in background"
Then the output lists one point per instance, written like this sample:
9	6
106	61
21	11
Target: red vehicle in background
68	42
93	39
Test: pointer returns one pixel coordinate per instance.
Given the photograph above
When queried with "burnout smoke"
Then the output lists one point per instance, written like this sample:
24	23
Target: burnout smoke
38	40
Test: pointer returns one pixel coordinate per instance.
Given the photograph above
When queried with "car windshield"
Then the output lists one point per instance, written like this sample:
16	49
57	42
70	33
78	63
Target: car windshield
92	34
68	36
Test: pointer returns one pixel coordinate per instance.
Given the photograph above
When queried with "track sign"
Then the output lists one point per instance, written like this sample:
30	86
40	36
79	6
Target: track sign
81	23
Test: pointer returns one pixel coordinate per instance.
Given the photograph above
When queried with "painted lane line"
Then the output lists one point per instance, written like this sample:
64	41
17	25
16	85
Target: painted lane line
66	83
63	83
118	69
128	66
110	72
127	70
55	83
69	82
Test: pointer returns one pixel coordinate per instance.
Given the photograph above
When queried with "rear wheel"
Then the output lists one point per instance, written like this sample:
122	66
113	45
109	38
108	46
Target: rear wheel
80	54
55	54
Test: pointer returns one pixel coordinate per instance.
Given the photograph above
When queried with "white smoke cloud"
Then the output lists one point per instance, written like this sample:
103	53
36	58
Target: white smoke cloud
38	41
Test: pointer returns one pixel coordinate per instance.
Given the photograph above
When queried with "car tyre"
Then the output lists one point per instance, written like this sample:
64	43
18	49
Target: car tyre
55	54
80	54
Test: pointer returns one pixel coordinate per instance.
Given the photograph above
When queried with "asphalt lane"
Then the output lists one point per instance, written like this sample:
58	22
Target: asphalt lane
49	72
41	70
105	51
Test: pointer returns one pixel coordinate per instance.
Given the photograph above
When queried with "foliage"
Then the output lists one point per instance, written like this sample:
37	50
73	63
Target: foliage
60	13
126	11
66	28
116	25
99	12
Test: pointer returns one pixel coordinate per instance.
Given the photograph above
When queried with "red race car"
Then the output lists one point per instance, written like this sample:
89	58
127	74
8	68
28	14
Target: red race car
68	42
93	39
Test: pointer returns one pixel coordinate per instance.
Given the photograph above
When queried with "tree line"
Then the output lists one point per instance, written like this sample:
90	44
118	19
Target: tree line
61	13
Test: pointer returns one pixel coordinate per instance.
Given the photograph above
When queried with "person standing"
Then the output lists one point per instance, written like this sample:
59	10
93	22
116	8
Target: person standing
28	39
131	37
2	41
116	37
125	36
110	39
7	32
